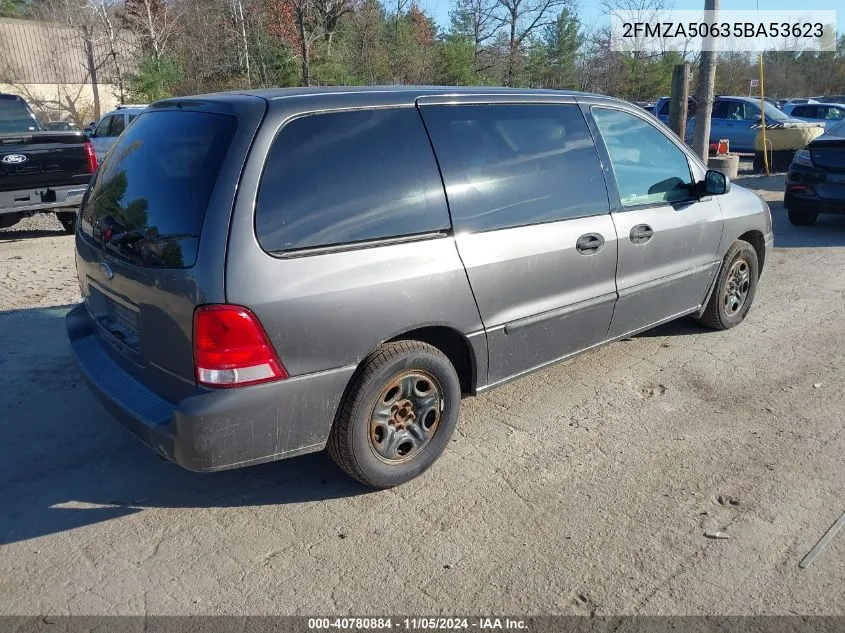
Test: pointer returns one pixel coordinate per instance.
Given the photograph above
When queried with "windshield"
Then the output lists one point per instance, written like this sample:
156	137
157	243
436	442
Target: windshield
773	114
15	116
149	198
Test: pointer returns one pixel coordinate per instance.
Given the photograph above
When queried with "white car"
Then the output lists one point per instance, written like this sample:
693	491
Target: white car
111	126
825	113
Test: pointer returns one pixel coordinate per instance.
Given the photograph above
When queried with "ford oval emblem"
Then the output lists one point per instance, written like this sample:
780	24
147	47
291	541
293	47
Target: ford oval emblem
107	271
15	159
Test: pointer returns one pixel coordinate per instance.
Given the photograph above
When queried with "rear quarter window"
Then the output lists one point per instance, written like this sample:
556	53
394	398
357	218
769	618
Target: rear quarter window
348	177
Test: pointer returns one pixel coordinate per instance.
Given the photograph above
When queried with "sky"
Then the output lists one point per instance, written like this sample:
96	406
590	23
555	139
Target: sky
591	11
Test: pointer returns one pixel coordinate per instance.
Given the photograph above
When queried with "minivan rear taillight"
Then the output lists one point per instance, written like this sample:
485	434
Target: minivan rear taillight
92	157
231	348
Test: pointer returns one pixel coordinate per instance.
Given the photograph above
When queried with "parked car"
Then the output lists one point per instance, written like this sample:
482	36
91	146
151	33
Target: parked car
832	99
785	102
815	182
661	108
824	113
265	275
738	119
62	126
104	134
40	170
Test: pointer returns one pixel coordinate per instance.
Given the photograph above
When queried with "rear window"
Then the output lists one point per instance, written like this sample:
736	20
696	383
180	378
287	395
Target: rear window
149	198
346	177
16	117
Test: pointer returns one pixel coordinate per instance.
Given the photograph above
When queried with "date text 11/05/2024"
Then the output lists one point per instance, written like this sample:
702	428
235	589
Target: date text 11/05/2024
414	624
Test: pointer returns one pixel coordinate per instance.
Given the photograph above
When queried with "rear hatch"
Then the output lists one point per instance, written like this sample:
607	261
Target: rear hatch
829	156
153	228
35	160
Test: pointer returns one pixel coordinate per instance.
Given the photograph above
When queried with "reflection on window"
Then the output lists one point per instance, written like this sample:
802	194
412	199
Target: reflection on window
649	167
349	177
514	165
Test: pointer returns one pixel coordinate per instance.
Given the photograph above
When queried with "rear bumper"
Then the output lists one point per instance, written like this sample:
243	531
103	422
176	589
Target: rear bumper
214	429
41	199
813	203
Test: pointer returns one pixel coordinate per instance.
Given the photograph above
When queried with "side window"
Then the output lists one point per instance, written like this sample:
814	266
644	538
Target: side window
720	110
664	109
103	128
118	124
649	167
514	165
833	114
750	112
132	117
347	177
801	110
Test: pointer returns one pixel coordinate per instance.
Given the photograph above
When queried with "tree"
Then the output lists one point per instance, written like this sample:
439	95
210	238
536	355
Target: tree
563	40
475	21
521	19
13	8
157	78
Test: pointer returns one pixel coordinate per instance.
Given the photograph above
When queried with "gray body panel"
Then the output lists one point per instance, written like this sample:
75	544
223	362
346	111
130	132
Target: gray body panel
521	298
539	298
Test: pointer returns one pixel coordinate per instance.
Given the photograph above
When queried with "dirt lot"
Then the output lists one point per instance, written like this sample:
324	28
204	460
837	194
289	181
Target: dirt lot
585	488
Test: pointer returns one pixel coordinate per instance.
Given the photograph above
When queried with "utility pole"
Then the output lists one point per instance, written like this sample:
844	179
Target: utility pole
706	82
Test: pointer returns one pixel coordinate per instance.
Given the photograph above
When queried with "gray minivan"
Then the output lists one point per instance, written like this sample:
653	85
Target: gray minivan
271	273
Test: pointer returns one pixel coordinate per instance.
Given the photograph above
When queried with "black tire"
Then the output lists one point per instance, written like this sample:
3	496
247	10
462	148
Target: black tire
723	309
353	441
802	217
67	220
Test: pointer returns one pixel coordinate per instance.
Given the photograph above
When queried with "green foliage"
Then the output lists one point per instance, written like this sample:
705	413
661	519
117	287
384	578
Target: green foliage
456	62
563	41
13	8
157	78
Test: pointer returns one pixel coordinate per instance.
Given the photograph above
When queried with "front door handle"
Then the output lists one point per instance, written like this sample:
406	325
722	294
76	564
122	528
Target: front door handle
641	234
589	244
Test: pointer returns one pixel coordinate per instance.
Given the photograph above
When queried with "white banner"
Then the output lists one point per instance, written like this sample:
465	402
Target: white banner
690	31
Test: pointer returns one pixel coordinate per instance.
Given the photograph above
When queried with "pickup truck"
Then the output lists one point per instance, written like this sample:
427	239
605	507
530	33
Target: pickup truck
41	171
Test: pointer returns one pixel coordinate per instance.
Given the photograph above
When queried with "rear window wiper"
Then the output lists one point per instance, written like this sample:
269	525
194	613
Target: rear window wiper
138	238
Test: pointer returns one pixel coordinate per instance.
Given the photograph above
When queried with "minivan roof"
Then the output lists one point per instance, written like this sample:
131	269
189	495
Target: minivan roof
365	94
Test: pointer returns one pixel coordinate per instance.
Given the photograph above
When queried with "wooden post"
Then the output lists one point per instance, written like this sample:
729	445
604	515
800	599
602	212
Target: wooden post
679	99
706	83
763	120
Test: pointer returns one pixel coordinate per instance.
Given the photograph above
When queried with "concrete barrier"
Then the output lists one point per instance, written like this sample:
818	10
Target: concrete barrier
728	164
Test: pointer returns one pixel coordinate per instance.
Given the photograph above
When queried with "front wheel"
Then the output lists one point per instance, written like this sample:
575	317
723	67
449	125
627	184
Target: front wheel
802	217
735	288
397	416
67	220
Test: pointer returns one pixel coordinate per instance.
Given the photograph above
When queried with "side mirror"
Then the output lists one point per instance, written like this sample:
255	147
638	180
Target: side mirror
715	183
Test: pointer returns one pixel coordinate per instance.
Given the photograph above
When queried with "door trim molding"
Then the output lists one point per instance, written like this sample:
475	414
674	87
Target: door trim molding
520	324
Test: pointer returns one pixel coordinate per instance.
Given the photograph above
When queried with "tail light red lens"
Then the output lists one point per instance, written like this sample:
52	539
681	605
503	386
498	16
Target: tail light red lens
91	155
231	348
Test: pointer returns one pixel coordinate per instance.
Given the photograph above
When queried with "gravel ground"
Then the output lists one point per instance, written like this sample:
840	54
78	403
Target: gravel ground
586	488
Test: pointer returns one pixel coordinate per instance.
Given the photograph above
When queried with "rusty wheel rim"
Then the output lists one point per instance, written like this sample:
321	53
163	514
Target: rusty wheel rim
406	416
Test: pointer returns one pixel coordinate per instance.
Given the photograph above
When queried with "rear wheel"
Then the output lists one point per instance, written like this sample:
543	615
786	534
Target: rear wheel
397	416
802	217
67	220
735	288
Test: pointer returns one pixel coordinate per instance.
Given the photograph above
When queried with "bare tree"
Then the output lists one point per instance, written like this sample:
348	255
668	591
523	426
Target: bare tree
105	10
84	23
521	18
154	22
477	20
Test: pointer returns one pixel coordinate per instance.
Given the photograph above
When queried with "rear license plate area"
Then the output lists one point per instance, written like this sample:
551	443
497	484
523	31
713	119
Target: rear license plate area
116	319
